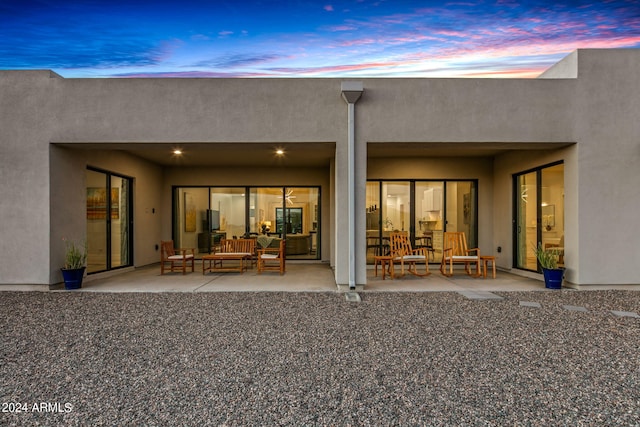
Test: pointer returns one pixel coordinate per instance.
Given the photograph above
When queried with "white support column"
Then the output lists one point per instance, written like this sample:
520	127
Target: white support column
351	92
352	197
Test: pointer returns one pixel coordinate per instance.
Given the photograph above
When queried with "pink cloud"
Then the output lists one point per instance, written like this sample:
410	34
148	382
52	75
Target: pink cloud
517	73
331	68
192	74
524	72
345	27
357	42
328	8
450	33
408	37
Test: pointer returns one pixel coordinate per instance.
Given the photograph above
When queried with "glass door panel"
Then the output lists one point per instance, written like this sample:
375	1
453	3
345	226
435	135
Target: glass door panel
539	214
192	227
265	202
230	203
120	190
552	209
292	213
373	217
109	241
302	206
396	210
429	214
526	220
96	221
461	205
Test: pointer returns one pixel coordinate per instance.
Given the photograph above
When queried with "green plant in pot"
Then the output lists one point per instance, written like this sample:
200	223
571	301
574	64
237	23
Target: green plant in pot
75	262
548	259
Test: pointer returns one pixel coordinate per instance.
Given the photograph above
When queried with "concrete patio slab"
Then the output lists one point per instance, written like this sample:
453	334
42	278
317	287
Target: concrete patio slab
301	276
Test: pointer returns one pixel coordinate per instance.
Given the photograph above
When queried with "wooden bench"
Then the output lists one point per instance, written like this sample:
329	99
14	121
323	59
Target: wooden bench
237	250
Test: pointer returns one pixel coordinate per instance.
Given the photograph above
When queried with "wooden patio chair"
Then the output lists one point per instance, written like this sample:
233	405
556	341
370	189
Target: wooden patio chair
456	252
176	257
272	258
403	253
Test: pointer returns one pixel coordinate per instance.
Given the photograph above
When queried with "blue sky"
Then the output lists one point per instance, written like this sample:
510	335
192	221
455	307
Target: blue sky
341	38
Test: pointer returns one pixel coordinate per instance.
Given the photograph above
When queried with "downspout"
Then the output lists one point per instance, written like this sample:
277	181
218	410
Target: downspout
351	92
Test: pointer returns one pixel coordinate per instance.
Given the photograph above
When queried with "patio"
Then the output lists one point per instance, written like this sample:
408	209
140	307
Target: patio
300	277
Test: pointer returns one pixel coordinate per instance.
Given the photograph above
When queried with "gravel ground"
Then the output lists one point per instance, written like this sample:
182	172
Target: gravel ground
315	359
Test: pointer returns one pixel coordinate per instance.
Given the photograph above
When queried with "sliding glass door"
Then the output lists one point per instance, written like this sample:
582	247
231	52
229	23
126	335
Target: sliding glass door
539	214
109	221
204	215
424	209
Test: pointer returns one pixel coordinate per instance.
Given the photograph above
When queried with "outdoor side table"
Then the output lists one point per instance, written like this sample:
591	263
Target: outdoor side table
486	259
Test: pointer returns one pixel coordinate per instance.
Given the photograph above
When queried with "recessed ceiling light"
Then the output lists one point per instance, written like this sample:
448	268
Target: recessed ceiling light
279	151
177	151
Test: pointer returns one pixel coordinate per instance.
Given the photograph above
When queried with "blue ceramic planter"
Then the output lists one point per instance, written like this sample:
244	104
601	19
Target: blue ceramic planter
73	277
553	278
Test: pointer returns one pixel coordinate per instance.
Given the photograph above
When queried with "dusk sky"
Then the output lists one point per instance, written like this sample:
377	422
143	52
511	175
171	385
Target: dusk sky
332	38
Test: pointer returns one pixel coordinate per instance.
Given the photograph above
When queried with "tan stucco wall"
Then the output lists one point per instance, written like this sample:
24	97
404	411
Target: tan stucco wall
597	111
466	110
200	110
28	101
607	128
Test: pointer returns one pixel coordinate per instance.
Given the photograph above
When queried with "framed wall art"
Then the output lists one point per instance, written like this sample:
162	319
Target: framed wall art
189	213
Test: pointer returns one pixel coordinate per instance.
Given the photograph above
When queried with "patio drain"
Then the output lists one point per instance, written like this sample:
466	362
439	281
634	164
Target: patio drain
352	296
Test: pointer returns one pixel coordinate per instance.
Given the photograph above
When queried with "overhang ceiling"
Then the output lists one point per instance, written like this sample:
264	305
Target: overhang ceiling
453	149
224	154
317	154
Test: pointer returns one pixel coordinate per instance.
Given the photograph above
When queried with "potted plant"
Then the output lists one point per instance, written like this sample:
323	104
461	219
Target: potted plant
548	259
75	262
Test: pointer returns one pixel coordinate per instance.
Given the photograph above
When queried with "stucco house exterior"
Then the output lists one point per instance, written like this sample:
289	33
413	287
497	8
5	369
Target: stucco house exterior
511	162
